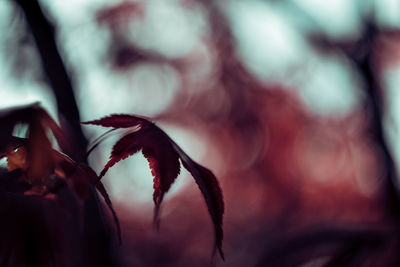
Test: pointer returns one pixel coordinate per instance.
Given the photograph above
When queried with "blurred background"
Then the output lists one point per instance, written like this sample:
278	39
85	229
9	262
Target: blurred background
293	104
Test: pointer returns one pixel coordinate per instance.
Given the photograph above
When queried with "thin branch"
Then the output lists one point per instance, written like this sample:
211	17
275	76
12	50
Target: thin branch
56	73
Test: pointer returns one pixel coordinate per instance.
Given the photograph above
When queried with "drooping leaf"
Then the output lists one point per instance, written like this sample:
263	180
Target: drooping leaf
38	161
211	191
9	118
28	114
156	148
163	155
124	148
164	164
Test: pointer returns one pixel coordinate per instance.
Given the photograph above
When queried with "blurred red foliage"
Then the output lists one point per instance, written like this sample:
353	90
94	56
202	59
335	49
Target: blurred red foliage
286	172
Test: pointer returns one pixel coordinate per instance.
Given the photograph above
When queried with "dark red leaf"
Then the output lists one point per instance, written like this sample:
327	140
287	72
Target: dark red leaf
164	164
39	147
163	156
11	117
124	148
40	157
62	138
211	191
156	148
118	121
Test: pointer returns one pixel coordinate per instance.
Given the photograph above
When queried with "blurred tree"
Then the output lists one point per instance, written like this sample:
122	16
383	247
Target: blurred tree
303	186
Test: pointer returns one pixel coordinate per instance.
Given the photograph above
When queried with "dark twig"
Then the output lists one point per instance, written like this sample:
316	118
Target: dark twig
56	73
375	104
97	242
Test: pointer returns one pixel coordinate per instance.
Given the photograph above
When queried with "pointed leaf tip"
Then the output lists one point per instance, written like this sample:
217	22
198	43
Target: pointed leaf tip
212	194
163	162
163	155
123	148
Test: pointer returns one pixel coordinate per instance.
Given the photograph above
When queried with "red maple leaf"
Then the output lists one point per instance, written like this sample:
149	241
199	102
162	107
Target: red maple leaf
163	155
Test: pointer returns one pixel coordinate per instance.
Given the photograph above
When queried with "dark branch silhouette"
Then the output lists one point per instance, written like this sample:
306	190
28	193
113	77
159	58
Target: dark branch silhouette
60	83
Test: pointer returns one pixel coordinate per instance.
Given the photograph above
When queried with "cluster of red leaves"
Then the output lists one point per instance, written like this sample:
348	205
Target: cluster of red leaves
163	155
43	171
42	192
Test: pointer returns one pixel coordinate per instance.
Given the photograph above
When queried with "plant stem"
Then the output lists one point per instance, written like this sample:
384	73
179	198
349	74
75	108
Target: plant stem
56	73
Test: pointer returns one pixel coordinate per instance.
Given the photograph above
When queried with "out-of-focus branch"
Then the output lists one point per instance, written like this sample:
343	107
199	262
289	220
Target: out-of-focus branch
376	107
361	52
56	73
